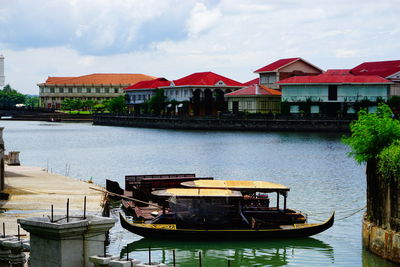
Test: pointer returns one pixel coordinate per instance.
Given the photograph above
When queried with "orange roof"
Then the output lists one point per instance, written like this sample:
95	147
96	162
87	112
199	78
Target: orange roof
255	90
100	78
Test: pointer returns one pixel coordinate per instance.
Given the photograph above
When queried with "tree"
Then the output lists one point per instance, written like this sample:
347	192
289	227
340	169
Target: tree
32	101
372	132
157	102
9	97
116	105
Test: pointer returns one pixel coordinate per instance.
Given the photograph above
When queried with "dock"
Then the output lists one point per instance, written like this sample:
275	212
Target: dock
32	191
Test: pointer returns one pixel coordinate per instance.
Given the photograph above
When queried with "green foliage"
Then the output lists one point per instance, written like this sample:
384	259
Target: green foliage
116	105
371	133
9	97
157	102
389	162
32	101
99	108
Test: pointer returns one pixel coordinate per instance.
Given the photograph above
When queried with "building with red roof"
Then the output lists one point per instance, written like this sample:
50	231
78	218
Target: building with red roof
285	68
254	99
338	89
204	91
387	69
96	87
140	92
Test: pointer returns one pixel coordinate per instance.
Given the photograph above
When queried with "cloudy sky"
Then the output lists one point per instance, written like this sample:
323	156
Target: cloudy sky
174	38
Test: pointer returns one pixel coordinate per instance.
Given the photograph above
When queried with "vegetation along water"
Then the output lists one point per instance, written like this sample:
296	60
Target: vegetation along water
314	165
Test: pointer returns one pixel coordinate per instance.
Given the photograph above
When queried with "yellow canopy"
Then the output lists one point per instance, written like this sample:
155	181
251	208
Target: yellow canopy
196	192
236	185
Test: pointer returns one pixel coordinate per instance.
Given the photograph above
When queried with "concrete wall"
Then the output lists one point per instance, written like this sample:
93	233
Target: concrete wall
224	124
381	241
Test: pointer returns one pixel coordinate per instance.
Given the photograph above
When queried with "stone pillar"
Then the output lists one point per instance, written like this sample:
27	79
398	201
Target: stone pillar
1	159
63	243
11	252
13	158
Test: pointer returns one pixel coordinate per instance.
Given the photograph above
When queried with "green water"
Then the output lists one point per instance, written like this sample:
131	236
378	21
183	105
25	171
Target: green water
314	165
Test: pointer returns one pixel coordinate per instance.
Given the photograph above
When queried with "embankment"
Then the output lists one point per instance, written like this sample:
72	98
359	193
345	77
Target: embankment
310	125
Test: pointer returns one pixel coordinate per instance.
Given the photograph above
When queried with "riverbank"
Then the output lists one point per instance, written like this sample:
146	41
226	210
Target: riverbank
33	190
225	124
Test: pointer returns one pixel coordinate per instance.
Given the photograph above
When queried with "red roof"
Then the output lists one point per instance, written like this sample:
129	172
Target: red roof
277	64
326	78
254	81
338	72
205	79
254	90
381	68
159	82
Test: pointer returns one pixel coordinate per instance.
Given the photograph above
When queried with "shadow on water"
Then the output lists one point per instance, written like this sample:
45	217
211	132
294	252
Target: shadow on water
241	253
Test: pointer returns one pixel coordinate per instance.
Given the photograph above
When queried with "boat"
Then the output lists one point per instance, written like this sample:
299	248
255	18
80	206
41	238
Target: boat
140	187
220	209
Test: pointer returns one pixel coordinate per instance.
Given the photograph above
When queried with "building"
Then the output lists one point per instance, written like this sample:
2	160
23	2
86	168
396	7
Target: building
97	87
336	91
283	69
203	91
141	92
2	77
389	70
254	99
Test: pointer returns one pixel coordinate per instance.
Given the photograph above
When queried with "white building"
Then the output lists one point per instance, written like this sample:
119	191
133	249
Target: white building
2	77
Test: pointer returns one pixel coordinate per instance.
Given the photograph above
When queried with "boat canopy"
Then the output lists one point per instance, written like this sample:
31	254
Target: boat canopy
248	186
196	192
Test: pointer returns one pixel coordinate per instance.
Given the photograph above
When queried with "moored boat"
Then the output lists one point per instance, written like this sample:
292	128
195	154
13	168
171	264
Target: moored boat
225	209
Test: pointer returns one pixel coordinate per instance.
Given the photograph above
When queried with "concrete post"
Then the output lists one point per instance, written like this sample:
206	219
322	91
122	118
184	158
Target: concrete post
13	158
1	159
61	243
11	252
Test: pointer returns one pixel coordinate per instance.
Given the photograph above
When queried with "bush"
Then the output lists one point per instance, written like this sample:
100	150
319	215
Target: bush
371	133
389	162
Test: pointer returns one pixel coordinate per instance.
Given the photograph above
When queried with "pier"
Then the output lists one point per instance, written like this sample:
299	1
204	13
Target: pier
32	191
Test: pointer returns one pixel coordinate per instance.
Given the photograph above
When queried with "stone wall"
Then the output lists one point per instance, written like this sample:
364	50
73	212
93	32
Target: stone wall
381	241
325	125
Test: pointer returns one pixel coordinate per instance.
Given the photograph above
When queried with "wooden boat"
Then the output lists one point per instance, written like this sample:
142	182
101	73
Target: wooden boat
211	209
141	186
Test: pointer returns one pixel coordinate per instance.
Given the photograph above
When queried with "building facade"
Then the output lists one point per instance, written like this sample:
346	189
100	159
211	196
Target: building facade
338	91
96	87
254	99
203	91
389	70
285	68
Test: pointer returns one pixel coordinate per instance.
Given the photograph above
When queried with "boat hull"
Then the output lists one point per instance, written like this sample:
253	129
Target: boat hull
170	231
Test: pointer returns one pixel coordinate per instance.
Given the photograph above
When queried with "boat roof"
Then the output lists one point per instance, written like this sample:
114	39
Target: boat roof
197	192
236	185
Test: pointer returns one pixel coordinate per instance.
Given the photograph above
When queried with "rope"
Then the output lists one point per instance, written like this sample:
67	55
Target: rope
353	212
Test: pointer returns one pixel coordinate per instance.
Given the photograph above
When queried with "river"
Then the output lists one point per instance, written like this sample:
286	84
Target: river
314	165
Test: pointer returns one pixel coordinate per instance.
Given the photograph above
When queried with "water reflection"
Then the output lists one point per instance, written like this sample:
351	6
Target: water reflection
240	253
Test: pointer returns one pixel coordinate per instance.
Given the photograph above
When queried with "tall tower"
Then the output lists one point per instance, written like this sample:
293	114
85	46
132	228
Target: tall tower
2	77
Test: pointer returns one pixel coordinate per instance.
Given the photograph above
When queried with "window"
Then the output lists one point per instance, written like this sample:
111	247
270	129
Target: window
98	90
107	90
116	90
79	90
70	90
51	90
332	92
61	90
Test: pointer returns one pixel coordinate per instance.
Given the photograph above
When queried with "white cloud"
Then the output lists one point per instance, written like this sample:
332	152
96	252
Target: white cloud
173	38
202	18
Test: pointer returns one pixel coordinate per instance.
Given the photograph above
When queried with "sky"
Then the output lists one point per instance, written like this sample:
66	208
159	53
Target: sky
174	38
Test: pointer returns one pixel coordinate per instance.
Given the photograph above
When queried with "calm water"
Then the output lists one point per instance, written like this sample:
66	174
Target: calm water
314	165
